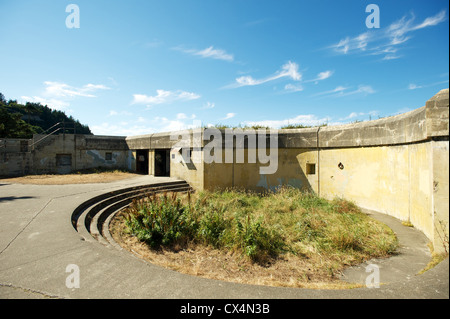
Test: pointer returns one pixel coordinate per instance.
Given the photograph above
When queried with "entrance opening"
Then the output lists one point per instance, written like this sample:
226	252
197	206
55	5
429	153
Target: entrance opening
142	162
162	163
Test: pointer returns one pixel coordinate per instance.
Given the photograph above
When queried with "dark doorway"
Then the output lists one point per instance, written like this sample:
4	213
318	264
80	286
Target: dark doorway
142	162
162	163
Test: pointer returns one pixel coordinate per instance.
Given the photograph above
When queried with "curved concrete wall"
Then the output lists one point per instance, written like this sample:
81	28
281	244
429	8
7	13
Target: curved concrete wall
396	165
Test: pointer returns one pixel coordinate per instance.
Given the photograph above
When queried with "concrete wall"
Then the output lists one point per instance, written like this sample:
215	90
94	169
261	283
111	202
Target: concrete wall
65	153
396	165
14	157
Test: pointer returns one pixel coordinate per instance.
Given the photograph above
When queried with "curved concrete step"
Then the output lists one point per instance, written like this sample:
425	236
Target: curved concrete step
91	218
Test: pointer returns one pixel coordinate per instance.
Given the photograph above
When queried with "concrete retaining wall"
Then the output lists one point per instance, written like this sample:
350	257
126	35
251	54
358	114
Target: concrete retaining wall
396	165
61	154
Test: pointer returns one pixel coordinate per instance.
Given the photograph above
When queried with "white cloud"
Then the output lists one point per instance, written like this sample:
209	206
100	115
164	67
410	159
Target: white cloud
144	126
322	76
432	21
384	40
163	97
293	88
208	106
391	57
217	54
120	129
289	70
362	89
58	95
355	115
54	104
210	52
182	116
343	91
413	86
336	90
229	116
307	120
57	89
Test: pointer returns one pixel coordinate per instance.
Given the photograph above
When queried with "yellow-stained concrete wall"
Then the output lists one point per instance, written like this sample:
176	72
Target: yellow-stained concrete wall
441	192
291	171
189	170
395	180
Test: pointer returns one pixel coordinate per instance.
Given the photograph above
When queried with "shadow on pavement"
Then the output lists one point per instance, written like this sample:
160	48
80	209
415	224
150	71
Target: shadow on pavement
11	198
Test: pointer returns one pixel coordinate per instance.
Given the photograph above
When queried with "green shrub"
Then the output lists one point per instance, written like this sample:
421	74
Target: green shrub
262	226
158	221
257	240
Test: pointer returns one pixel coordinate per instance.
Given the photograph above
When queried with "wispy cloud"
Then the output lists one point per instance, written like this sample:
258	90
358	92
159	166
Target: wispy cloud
413	86
142	126
321	76
293	88
288	70
432	21
359	115
210	52
182	116
341	91
163	97
338	89
208	106
57	89
52	103
229	116
386	41
121	129
58	95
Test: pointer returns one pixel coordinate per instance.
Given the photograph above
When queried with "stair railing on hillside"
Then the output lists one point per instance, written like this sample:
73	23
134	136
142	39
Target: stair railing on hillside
60	126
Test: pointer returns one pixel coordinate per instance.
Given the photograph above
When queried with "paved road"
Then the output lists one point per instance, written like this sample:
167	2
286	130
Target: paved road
38	242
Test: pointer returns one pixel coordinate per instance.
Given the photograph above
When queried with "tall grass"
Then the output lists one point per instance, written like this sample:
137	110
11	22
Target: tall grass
262	226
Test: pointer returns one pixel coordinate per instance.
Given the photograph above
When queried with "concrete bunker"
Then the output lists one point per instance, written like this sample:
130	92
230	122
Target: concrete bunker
396	165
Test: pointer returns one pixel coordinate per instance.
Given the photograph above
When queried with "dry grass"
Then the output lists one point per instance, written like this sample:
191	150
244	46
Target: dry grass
436	259
78	178
207	262
322	237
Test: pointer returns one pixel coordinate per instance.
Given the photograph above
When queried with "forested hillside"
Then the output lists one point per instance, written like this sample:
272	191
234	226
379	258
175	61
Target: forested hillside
22	121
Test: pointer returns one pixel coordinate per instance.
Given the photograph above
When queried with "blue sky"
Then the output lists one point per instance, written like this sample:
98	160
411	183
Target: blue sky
139	67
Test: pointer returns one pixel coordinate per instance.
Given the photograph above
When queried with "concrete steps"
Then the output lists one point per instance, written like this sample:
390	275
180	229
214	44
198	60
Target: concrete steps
91	219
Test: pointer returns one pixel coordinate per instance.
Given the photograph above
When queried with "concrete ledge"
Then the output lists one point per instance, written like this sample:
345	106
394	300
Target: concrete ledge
418	125
437	114
400	129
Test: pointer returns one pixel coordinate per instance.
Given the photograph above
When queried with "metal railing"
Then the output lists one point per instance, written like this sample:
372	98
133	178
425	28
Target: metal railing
60	126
